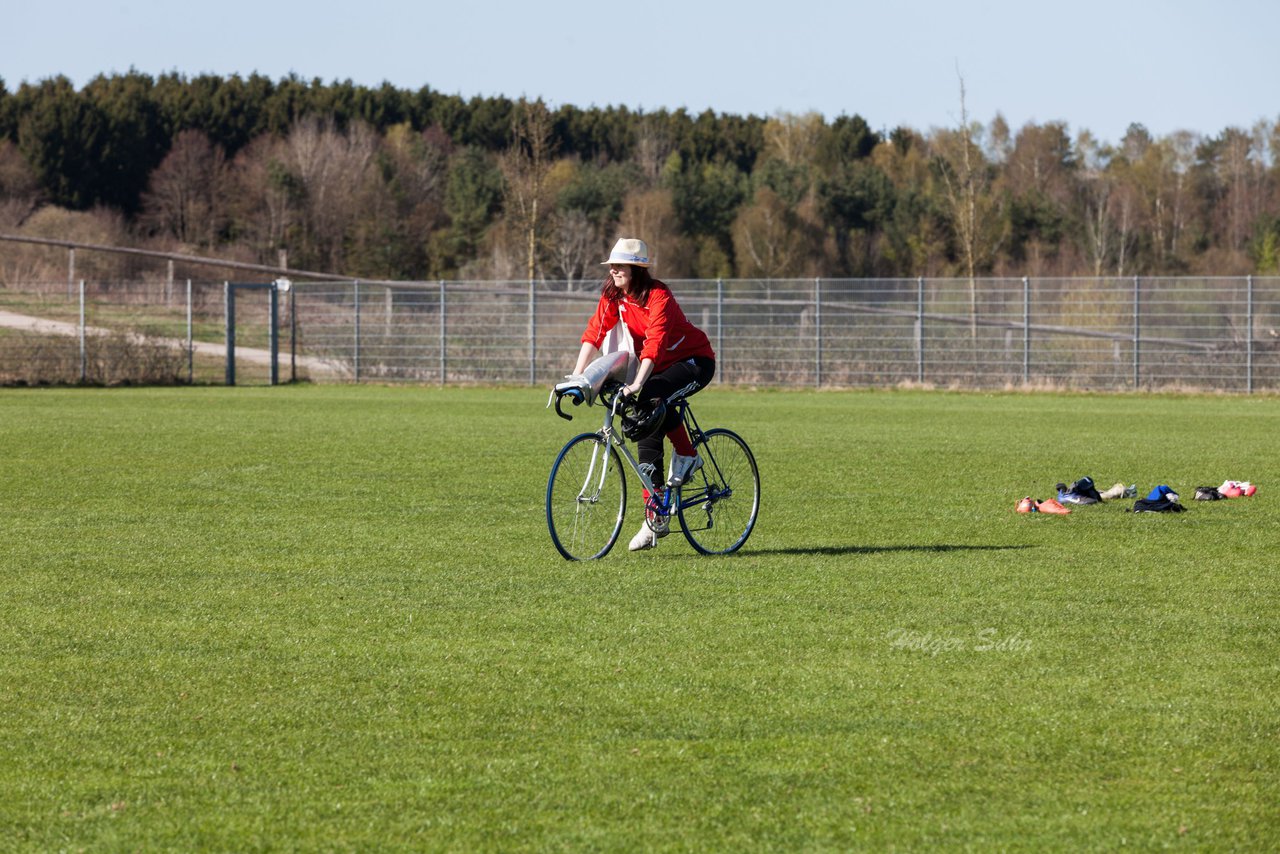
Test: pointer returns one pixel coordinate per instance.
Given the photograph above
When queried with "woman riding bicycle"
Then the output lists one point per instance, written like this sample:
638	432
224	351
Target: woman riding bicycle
676	361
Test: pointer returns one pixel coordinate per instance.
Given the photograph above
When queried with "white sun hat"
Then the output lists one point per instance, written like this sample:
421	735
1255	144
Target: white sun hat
630	250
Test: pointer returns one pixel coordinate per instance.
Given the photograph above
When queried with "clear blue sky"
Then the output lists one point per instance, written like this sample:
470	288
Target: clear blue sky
1170	65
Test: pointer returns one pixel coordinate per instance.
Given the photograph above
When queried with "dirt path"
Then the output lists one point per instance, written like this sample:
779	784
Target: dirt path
252	355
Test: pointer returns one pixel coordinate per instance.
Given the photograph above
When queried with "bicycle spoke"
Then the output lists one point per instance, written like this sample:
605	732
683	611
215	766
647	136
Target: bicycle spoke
720	511
586	498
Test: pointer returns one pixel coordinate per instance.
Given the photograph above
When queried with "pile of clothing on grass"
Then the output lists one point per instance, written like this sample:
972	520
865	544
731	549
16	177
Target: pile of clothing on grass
1161	499
1229	489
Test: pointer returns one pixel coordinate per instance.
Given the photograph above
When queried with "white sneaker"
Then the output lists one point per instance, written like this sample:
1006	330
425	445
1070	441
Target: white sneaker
682	468
1114	492
647	538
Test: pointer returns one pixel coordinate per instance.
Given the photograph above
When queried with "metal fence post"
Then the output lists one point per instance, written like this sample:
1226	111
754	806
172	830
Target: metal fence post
1026	330
191	346
71	272
1137	332
920	329
1248	342
84	355
720	328
444	340
356	365
388	308
293	334
229	300
817	329
273	302
533	335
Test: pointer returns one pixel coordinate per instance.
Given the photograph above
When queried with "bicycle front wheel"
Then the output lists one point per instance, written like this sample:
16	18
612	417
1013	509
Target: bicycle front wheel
586	498
719	504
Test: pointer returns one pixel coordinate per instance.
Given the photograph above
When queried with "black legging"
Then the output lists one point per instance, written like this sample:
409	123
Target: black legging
680	380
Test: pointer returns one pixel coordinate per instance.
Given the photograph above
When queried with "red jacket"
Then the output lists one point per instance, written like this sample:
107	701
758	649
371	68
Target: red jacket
659	329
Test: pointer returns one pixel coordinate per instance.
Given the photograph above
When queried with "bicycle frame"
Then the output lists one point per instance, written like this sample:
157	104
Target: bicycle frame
663	505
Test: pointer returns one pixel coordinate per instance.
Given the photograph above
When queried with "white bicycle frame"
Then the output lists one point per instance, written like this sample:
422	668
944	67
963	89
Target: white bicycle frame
611	437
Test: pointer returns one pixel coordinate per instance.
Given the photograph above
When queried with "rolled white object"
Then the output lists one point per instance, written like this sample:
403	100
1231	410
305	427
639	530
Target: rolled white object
611	366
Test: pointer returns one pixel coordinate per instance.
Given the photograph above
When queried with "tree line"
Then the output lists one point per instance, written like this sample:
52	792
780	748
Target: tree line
389	183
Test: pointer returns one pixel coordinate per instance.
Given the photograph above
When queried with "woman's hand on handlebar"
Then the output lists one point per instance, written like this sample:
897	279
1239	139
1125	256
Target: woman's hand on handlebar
643	372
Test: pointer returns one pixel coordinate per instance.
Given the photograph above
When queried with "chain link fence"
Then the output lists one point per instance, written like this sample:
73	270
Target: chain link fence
1210	334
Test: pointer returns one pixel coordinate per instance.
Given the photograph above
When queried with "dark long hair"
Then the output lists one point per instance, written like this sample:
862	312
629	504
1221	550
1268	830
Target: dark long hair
641	284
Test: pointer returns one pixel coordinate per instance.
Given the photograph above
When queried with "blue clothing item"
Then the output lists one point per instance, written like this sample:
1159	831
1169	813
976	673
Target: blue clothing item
1159	493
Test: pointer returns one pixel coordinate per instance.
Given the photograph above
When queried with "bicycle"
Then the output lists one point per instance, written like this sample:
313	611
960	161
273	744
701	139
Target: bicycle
587	488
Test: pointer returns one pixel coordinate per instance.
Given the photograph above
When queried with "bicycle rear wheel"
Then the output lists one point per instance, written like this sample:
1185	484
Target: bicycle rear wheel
586	498
719	504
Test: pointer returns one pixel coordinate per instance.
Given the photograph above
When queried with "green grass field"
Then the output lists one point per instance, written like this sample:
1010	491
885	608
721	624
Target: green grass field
331	618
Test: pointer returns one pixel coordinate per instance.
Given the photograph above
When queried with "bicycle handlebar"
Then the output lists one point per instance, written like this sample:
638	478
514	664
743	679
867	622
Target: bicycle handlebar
610	388
576	394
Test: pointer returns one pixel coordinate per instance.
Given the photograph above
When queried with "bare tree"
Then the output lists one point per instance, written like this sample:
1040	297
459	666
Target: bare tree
1182	145
19	187
1097	201
1109	221
770	240
1097	221
1236	168
1039	172
1127	228
972	208
334	170
265	197
793	138
651	214
186	196
574	246
525	165
1000	140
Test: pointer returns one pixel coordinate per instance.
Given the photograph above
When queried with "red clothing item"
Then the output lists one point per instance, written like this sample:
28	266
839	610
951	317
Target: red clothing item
660	330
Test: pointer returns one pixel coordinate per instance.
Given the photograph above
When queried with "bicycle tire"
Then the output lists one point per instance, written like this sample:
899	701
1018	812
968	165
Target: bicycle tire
581	496
719	506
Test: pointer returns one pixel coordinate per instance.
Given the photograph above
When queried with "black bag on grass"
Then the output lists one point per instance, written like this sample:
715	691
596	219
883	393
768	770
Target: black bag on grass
1162	499
1080	492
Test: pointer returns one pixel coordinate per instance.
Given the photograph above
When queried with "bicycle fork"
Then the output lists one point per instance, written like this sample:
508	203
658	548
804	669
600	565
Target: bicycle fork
599	456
